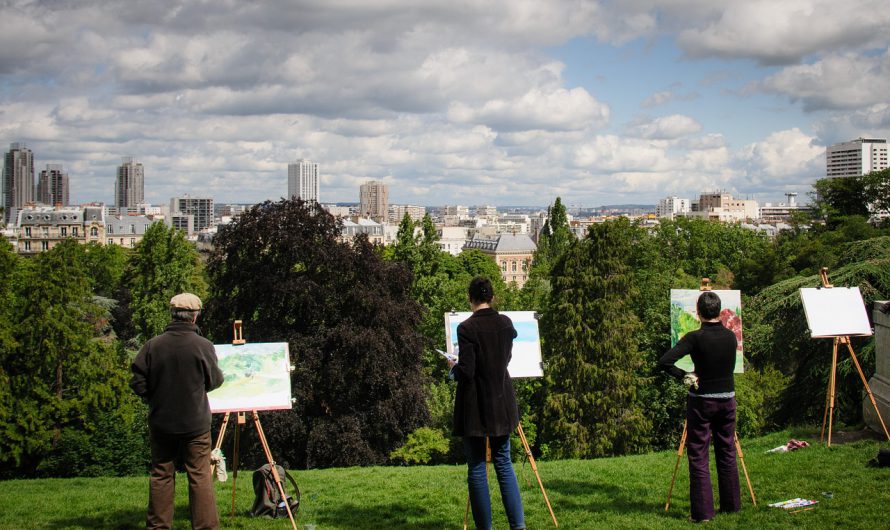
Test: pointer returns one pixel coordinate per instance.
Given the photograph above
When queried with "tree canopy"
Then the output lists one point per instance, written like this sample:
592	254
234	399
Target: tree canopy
350	323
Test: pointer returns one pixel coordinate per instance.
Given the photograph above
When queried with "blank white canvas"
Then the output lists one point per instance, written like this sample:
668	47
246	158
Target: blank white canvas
526	361
835	312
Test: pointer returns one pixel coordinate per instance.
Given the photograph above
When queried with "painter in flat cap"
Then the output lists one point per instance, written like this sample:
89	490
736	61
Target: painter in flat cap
173	372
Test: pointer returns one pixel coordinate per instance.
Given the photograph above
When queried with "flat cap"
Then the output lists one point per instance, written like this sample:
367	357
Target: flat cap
186	301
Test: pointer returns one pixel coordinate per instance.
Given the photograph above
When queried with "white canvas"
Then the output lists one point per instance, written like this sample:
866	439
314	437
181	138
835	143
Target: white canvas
526	361
835	312
257	377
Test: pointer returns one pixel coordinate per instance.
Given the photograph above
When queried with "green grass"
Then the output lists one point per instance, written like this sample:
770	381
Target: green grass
611	493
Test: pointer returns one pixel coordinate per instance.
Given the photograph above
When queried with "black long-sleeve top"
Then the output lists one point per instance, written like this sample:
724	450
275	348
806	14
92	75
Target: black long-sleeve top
713	351
173	372
485	403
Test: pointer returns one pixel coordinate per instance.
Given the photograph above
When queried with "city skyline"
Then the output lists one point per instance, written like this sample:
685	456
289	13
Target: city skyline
487	102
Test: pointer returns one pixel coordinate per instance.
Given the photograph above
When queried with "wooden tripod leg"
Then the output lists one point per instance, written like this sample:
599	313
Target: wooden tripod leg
667	505
825	415
235	452
867	388
531	460
467	512
219	439
265	444
738	448
831	387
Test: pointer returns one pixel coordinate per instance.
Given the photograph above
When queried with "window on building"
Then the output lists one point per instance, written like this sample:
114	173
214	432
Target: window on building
132	229
94	232
74	231
132	241
110	241
122	241
27	245
524	266
27	231
63	231
45	231
504	266
44	245
514	266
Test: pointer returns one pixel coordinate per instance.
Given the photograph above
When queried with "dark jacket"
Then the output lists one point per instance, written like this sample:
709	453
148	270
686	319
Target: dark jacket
485	404
173	372
713	351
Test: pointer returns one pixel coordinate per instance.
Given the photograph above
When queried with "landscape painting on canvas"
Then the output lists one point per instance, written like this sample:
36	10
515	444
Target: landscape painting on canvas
684	320
257	377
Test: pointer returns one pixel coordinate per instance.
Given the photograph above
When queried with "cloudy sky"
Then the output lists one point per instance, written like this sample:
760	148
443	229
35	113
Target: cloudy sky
508	102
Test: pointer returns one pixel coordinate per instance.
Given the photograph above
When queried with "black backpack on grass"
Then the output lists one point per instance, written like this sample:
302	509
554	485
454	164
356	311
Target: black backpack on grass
267	499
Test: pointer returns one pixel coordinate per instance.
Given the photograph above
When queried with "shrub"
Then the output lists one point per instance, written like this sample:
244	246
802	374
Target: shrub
421	447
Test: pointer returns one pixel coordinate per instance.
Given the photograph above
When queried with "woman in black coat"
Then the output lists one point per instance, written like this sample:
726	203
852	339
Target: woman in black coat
485	404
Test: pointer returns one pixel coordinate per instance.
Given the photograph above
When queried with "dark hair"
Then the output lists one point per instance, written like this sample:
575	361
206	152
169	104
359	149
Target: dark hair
480	290
708	305
182	315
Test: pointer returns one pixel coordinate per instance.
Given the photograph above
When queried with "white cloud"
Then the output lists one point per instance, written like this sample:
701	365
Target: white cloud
786	32
783	160
665	128
664	97
836	82
557	109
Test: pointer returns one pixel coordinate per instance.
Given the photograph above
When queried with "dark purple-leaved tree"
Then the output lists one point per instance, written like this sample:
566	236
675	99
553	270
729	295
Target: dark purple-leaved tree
350	323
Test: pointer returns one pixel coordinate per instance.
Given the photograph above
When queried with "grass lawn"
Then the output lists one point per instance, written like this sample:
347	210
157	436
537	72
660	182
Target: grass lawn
611	493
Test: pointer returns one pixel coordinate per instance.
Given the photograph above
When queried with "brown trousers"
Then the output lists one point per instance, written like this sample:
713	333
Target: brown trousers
195	452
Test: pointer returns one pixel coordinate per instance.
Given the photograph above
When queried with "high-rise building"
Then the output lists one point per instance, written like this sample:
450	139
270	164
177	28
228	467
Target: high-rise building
669	207
18	179
398	211
373	197
302	180
856	157
201	208
129	187
52	186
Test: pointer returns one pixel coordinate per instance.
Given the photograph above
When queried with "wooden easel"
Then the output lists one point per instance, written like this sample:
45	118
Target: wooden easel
706	286
241	420
832	380
534	466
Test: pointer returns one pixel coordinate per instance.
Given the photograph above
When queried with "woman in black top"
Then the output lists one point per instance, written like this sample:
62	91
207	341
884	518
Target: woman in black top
485	404
710	408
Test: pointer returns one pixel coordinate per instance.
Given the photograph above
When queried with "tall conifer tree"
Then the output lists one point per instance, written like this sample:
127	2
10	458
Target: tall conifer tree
589	331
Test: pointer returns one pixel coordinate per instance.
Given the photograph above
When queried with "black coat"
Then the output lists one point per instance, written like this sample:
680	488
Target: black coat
173	372
485	404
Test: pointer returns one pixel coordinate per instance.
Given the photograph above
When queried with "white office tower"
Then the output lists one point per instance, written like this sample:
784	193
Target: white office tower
857	157
302	180
129	187
18	179
670	207
200	208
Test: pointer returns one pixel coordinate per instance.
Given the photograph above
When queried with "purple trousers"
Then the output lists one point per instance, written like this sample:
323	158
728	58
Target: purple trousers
706	417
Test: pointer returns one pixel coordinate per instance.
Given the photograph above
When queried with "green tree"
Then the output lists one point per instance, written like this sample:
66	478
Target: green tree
777	336
348	318
162	265
106	264
58	373
876	188
840	197
592	408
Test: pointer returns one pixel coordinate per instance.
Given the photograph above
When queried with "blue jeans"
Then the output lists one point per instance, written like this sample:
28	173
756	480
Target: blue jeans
477	481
